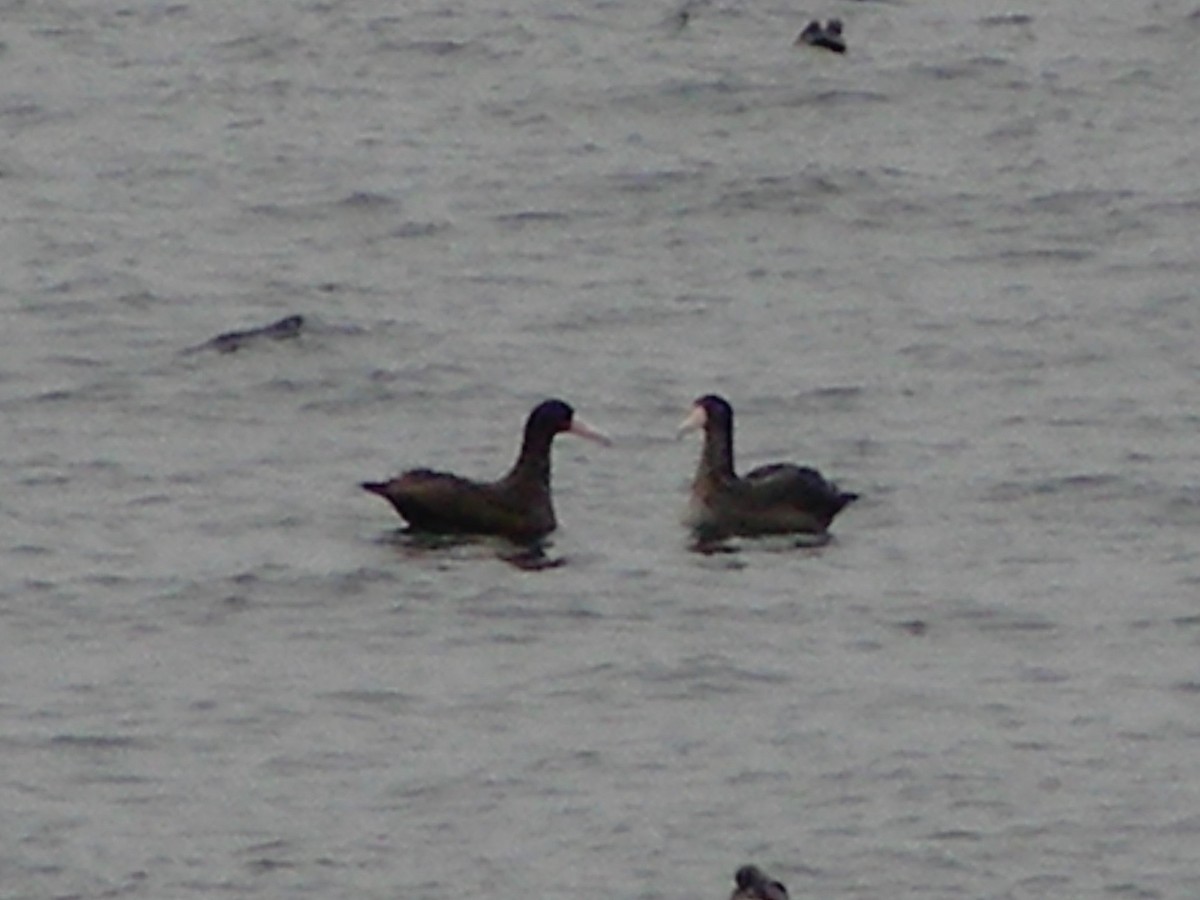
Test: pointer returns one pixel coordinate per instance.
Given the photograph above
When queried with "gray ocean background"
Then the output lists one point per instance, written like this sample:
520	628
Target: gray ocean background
955	269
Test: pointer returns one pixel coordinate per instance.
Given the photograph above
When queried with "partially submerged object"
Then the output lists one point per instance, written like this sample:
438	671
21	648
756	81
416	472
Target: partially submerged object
828	36
755	884
231	341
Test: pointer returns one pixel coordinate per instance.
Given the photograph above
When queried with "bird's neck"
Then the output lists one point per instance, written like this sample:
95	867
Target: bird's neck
533	462
716	460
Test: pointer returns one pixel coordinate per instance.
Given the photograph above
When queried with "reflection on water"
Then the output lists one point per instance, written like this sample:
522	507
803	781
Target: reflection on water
767	543
413	544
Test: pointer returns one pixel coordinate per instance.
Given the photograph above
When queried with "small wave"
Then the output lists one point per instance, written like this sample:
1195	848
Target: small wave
434	48
1007	20
533	217
392	701
1094	485
306	210
97	741
968	68
367	200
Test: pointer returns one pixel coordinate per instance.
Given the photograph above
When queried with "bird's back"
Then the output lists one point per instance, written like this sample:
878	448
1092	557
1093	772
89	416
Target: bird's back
786	486
443	503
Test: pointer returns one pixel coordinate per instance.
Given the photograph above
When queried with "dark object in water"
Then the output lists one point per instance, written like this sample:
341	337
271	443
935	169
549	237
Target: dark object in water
232	341
828	36
683	15
517	506
754	884
781	498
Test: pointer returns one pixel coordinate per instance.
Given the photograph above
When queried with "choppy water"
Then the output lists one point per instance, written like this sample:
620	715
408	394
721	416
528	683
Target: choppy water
955	269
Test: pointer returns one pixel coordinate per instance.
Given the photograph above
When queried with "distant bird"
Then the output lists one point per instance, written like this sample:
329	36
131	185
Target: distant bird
828	36
518	506
781	498
754	884
683	15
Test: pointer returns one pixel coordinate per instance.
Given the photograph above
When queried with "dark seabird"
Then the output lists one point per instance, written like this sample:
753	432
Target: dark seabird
828	36
754	884
781	498
517	507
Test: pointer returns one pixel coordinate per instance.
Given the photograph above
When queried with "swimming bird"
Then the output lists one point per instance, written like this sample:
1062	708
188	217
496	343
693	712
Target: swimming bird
517	506
781	498
754	884
828	37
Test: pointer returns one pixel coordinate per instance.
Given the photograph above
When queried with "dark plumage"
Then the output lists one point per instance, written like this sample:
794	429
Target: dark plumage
517	506
754	884
828	36
781	498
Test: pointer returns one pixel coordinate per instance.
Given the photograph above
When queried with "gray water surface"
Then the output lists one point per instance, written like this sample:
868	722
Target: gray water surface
955	269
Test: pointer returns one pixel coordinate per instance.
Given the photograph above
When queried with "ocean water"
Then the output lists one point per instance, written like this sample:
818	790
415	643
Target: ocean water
954	269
